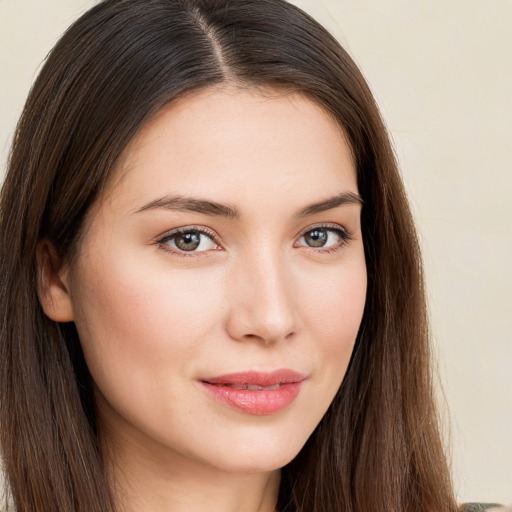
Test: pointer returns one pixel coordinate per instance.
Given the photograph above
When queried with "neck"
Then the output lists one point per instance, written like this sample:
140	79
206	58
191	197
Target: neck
147	477
182	488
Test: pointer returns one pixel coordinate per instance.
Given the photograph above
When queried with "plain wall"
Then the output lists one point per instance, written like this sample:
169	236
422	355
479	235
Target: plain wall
441	72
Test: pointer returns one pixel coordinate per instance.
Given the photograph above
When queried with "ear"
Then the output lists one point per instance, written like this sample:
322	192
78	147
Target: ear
52	283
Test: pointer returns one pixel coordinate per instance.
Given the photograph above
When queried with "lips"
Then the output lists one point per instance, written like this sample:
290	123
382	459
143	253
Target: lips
259	393
250	387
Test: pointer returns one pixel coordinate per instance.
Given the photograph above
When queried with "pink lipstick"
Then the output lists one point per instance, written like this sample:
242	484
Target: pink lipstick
258	393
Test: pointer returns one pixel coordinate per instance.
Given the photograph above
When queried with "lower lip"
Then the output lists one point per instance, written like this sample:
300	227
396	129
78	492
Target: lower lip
258	402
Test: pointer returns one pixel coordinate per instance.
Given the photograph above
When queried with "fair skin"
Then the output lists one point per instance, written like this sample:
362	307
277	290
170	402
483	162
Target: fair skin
261	284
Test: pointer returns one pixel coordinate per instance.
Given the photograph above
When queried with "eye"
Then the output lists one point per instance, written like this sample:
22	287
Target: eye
188	240
324	237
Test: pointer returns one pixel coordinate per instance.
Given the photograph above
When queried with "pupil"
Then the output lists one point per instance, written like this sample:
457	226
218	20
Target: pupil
316	238
188	241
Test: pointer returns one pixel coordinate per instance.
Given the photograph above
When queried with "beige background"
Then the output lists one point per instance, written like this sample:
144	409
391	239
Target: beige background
442	74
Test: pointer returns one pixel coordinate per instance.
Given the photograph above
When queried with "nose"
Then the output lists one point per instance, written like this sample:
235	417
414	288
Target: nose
261	300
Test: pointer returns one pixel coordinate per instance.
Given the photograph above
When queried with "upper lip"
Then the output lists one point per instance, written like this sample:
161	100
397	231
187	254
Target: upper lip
257	378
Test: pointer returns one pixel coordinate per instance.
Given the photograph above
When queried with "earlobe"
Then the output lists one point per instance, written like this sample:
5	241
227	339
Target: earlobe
52	283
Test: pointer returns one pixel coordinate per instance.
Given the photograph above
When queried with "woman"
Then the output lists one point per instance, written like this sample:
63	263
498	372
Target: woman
211	293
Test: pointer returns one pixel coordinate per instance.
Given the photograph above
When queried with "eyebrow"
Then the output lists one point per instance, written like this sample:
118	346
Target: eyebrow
191	204
345	198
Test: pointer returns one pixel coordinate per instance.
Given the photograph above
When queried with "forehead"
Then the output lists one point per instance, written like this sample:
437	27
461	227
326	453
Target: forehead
229	142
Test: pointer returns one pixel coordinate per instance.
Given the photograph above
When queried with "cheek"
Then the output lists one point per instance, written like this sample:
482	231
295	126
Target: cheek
334	313
134	319
335	309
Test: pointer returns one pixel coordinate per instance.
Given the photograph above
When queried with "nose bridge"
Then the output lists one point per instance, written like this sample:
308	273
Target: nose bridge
263	306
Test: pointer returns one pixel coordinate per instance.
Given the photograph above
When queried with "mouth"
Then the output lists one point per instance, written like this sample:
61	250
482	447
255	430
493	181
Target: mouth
249	387
258	393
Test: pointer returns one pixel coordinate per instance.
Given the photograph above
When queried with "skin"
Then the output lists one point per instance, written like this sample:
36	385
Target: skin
154	319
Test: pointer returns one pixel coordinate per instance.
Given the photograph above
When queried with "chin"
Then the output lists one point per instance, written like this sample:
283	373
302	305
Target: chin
260	456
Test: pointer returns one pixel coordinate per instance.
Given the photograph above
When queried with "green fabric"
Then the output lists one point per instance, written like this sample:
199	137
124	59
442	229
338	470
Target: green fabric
481	507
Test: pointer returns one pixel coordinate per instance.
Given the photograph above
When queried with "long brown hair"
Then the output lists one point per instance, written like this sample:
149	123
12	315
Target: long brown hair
378	447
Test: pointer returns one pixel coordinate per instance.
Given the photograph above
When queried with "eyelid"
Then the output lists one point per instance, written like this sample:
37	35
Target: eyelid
345	235
326	225
162	239
187	229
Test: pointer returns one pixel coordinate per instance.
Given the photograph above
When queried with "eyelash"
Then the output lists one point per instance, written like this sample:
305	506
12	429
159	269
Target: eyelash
344	235
162	242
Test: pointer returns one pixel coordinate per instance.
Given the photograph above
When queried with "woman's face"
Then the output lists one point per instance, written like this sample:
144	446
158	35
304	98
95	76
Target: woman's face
221	280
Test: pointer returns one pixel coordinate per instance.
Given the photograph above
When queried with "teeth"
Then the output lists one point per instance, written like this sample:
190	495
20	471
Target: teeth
250	387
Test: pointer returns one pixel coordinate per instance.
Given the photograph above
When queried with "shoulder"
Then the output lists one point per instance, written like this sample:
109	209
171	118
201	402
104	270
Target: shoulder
484	507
